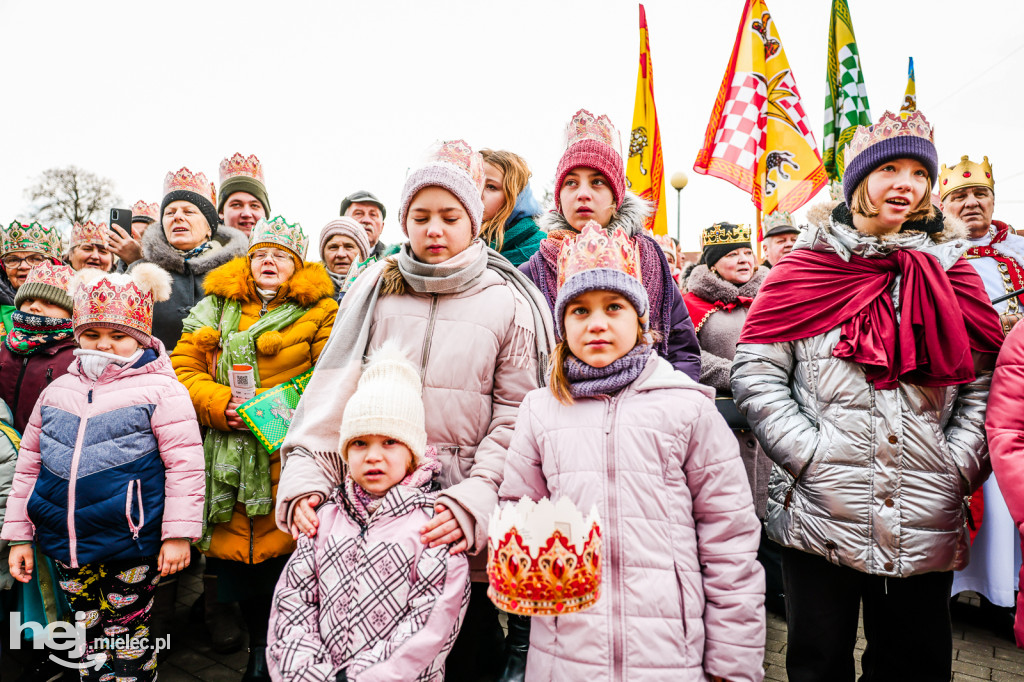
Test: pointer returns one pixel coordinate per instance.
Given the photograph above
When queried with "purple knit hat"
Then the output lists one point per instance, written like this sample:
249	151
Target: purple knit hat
346	227
602	279
592	142
890	138
455	167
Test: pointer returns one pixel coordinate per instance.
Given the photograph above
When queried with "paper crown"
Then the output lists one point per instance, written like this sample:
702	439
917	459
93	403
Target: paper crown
778	219
665	242
140	209
112	300
186	180
458	153
966	174
889	126
543	559
585	126
51	275
90	233
238	165
33	237
724	233
594	248
279	232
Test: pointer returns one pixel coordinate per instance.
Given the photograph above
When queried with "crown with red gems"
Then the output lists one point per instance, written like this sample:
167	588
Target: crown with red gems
52	275
187	181
90	233
33	237
238	165
140	209
458	153
585	126
967	173
889	126
120	300
543	559
279	232
593	248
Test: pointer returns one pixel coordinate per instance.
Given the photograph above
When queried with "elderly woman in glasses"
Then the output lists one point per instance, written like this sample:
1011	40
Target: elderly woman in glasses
274	312
21	248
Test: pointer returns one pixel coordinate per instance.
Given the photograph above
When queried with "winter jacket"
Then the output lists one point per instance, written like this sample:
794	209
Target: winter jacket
365	595
682	595
522	237
9	441
23	377
683	350
478	359
281	356
186	276
870	479
109	468
1005	423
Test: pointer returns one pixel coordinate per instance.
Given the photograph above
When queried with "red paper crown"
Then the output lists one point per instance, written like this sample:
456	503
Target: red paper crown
237	165
458	153
52	275
143	210
543	559
113	299
90	233
890	125
585	126
185	180
594	248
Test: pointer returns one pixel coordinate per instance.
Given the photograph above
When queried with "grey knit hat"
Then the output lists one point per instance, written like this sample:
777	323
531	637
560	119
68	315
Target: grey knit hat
601	279
458	169
346	227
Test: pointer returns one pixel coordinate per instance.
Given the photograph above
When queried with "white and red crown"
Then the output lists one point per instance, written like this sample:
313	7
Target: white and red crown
238	165
90	233
543	559
140	209
889	126
113	299
458	153
186	180
585	126
593	248
57	276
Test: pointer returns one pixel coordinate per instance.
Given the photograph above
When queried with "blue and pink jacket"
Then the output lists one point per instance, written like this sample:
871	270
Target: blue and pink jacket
110	468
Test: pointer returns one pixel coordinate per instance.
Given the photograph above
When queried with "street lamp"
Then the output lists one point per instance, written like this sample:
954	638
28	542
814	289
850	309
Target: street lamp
678	181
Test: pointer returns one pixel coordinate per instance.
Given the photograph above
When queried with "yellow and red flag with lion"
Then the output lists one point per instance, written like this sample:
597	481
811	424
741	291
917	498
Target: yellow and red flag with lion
645	167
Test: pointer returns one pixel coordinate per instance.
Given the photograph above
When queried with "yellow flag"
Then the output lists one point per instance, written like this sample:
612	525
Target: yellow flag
910	97
645	167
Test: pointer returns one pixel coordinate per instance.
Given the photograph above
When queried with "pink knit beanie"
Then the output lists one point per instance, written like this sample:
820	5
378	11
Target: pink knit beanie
592	142
458	169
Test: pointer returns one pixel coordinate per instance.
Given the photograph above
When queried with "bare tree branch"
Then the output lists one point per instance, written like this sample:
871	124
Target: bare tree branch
62	196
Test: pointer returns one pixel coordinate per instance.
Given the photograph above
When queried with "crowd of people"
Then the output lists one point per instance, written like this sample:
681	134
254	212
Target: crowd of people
809	434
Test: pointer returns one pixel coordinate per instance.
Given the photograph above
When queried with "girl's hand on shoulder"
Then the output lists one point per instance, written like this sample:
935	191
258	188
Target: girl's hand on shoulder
444	529
21	562
174	556
304	518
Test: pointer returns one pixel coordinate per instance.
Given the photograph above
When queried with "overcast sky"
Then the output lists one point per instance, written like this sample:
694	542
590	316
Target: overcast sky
340	96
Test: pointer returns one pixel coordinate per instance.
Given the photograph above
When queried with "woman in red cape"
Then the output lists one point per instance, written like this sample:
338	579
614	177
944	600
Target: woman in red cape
864	368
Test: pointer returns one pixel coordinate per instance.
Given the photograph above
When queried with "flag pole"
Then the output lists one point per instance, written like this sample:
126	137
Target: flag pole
757	235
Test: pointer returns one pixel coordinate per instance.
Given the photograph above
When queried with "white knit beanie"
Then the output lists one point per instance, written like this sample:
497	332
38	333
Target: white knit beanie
388	402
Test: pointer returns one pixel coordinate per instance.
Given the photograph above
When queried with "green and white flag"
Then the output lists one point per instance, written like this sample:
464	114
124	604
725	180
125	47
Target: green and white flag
846	99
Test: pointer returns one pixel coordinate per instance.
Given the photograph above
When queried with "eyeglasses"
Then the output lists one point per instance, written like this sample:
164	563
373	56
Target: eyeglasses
13	261
276	256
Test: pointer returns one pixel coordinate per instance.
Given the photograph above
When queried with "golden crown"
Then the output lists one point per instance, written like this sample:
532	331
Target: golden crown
543	559
725	233
186	180
237	165
889	126
594	248
140	209
279	232
585	126
34	238
966	174
90	233
113	299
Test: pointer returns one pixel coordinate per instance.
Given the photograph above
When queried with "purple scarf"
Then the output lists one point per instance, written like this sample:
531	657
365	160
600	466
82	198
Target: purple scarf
586	381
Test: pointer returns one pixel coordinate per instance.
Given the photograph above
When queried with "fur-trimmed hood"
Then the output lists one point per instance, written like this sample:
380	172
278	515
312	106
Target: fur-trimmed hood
233	280
630	217
712	288
155	249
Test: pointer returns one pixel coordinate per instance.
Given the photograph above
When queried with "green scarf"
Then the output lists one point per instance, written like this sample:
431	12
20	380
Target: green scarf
237	468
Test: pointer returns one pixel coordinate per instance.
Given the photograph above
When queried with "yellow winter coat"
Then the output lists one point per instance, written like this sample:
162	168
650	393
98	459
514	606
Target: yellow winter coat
281	355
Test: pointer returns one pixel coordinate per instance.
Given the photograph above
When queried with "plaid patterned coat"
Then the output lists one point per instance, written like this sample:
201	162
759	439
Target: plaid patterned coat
364	595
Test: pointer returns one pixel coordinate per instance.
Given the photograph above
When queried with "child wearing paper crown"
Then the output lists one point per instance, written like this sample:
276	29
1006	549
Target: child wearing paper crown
618	429
365	598
109	480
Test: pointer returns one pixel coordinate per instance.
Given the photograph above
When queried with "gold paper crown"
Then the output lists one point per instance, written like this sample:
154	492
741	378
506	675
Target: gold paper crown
458	153
237	165
594	248
724	233
279	232
34	238
90	233
889	126
186	180
966	174
543	559
585	126
143	210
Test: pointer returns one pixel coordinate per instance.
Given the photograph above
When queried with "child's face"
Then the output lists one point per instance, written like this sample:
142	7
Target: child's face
108	341
600	327
439	227
378	463
37	306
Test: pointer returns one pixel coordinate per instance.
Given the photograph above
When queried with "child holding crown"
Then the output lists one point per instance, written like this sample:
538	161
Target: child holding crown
617	429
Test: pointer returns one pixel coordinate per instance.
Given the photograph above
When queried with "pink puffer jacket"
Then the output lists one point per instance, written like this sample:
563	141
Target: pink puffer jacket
682	594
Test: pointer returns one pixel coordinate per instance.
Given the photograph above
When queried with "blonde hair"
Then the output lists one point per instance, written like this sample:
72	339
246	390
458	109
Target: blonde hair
860	203
559	383
516	175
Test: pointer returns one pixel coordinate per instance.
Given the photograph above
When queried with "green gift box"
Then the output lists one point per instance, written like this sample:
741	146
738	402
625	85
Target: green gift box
269	414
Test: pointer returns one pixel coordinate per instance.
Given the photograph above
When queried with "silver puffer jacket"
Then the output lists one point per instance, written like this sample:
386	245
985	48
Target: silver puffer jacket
874	480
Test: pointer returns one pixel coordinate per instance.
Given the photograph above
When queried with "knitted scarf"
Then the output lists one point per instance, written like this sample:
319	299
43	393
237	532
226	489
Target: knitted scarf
586	381
237	468
33	333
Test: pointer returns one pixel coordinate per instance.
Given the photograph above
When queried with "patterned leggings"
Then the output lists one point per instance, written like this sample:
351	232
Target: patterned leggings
115	598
